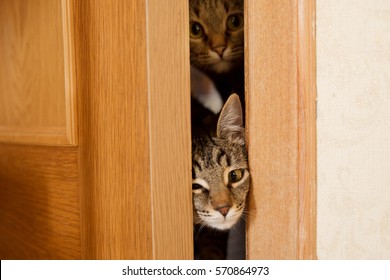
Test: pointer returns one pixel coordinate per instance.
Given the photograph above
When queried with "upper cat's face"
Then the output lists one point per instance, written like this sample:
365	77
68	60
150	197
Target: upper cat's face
216	34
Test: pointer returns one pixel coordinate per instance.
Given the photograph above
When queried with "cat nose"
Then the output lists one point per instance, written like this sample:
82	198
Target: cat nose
224	210
220	50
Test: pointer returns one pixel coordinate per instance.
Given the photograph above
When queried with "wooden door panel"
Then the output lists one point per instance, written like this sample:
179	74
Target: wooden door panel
39	185
39	208
37	104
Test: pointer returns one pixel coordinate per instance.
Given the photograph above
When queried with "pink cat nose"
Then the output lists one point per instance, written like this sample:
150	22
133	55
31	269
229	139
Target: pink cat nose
220	50
223	210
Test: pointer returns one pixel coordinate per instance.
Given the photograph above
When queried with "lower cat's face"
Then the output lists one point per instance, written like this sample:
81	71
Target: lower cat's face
221	183
216	35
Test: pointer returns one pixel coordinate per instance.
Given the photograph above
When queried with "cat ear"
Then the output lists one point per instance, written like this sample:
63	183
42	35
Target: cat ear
230	122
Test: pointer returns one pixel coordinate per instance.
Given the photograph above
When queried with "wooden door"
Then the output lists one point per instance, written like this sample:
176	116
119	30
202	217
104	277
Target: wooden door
39	179
94	160
95	152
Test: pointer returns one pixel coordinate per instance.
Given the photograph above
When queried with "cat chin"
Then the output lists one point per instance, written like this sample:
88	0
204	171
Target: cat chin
221	67
224	225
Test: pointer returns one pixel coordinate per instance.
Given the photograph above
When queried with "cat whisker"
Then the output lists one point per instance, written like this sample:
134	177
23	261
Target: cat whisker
202	226
235	228
235	215
244	218
245	215
235	55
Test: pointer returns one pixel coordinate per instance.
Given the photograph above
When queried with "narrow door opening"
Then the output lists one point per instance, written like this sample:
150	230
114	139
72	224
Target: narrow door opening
220	172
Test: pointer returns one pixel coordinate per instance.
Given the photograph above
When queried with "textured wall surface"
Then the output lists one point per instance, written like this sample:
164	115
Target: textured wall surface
353	80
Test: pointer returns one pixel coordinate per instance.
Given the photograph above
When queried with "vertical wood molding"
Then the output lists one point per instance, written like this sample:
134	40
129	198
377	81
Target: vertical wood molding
70	73
307	133
170	133
272	110
111	77
280	86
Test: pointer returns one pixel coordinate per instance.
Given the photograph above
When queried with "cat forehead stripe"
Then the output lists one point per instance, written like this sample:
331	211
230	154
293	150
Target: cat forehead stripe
196	11
226	6
196	164
222	155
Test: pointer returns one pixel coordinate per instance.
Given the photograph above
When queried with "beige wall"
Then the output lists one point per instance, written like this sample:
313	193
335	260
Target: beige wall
353	79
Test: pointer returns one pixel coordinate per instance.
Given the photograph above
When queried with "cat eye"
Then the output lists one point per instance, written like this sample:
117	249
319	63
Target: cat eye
196	30
196	187
235	175
235	22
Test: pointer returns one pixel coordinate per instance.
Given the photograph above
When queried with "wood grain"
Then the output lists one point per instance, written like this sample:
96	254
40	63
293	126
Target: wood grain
280	85
36	94
135	133
111	73
124	192
70	72
39	203
170	134
307	146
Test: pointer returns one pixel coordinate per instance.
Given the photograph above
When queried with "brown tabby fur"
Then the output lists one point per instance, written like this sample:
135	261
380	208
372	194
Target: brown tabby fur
220	52
218	148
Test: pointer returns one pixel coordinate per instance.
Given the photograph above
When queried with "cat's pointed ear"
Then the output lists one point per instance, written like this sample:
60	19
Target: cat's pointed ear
230	122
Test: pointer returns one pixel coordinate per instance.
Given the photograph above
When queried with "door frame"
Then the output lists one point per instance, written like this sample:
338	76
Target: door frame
281	128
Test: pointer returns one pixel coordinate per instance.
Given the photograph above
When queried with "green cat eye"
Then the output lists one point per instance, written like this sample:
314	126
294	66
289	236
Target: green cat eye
235	22
235	175
196	30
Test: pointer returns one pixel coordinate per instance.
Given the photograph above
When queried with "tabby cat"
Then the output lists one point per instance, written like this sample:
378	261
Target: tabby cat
220	172
220	177
217	49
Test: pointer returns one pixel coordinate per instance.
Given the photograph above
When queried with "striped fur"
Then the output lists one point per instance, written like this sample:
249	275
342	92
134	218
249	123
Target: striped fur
218	150
213	15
